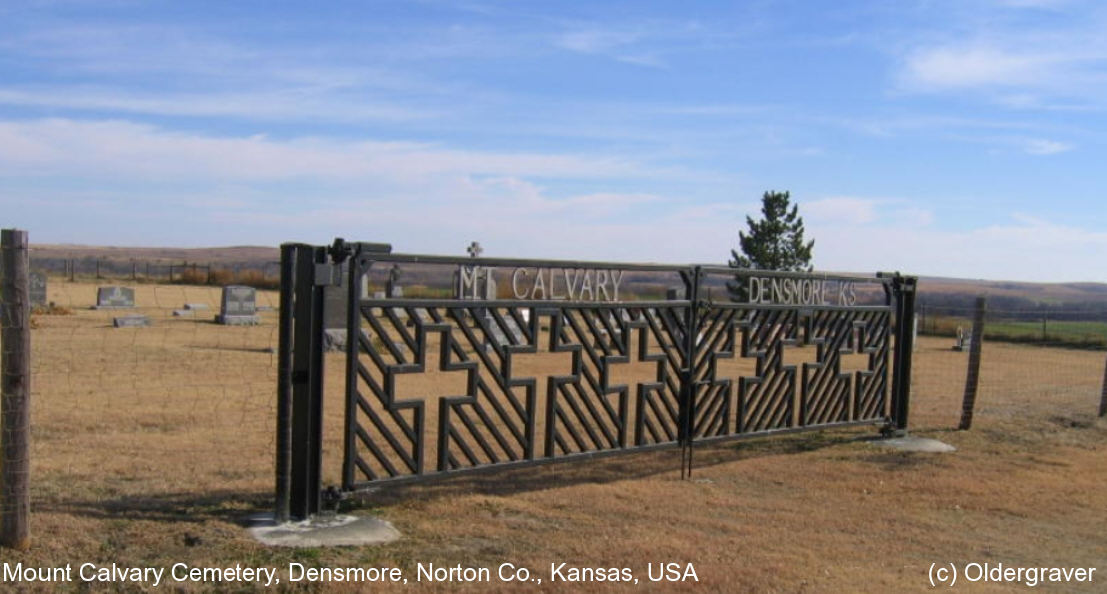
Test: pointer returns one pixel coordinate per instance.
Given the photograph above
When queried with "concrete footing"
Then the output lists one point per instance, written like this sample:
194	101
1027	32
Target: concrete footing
323	531
911	443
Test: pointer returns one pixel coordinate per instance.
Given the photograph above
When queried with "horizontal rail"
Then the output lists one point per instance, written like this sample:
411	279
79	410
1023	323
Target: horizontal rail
787	430
485	468
565	304
786	306
727	270
523	263
493	303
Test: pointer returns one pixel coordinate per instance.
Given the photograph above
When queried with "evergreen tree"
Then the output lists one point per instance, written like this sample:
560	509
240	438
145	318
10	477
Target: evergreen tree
773	243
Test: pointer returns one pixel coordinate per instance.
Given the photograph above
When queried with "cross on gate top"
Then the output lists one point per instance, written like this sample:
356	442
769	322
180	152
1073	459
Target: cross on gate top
474	250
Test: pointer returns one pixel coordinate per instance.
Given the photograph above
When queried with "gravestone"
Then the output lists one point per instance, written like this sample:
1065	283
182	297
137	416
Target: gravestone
610	339
38	288
114	297
238	306
915	332
674	294
497	333
132	321
334	309
964	340
334	304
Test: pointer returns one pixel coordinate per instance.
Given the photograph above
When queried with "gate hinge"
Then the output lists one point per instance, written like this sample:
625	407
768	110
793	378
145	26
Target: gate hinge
328	275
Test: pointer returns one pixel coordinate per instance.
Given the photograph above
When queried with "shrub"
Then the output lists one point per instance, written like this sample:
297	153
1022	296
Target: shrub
52	309
192	276
221	276
257	279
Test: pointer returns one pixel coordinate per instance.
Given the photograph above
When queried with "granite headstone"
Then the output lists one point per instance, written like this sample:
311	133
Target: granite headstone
115	297
238	306
38	288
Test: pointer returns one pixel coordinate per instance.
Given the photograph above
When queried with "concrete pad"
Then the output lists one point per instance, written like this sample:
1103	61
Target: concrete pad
323	531
910	443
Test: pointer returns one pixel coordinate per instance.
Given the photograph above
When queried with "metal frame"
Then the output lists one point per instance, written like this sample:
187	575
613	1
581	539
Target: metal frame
500	421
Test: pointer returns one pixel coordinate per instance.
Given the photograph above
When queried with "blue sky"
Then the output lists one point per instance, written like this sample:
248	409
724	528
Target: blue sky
961	138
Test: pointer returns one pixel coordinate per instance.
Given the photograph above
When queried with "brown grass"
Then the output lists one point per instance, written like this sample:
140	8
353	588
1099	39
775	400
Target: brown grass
151	446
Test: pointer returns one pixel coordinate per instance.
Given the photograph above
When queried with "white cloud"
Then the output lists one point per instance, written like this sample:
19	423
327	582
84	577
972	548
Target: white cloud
842	209
864	212
1025	248
108	148
194	189
1041	146
268	105
1038	4
954	67
594	41
1015	58
641	46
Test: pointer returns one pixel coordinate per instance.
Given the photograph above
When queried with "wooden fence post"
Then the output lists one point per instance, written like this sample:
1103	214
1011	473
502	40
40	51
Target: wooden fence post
972	377
15	391
1103	394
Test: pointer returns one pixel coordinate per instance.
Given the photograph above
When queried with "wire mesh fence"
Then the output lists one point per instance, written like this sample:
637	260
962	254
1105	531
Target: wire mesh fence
181	405
257	273
129	418
1035	365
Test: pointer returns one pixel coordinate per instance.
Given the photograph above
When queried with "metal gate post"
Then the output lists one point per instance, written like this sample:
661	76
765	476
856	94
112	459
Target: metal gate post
284	382
307	385
903	289
686	411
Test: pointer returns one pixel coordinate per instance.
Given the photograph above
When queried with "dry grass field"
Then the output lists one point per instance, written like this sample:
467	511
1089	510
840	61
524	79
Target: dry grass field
151	446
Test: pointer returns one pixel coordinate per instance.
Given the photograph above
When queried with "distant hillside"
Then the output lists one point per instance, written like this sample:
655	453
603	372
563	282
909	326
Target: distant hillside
1012	295
247	253
935	292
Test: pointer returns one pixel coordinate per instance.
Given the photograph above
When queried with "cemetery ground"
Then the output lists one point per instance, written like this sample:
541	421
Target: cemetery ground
151	446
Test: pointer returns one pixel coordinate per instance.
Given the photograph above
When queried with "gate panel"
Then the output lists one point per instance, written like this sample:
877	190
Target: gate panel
444	385
780	351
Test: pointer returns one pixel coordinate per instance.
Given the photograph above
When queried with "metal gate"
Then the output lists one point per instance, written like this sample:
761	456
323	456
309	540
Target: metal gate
487	363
